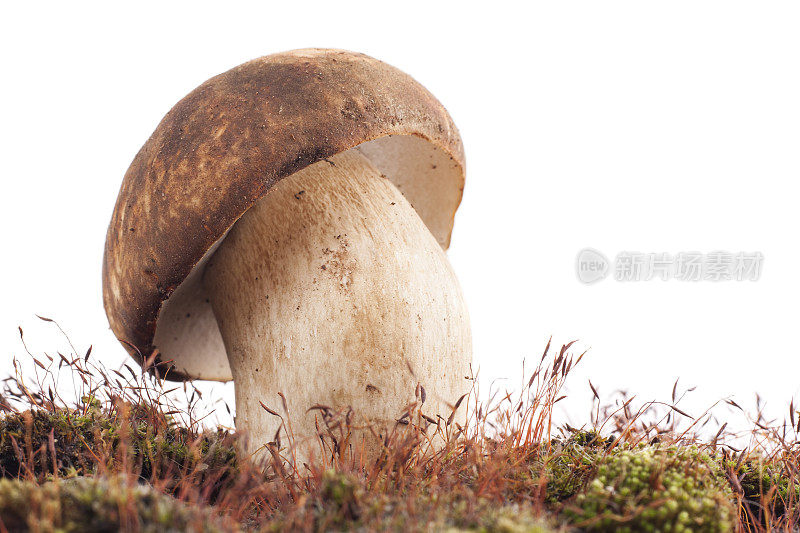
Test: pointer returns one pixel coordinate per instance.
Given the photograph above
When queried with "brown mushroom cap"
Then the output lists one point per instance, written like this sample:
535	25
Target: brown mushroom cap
222	148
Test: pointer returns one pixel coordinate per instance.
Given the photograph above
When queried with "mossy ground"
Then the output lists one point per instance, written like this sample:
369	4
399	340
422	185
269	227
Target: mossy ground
653	488
100	504
119	460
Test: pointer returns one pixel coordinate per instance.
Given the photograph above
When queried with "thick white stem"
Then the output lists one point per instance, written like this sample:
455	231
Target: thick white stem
328	290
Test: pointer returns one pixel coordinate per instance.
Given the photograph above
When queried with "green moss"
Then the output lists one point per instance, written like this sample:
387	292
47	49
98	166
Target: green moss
570	465
339	501
96	504
95	440
655	489
25	441
766	488
590	439
560	471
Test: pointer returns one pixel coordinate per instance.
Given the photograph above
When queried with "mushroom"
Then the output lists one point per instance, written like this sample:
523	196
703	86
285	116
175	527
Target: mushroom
285	227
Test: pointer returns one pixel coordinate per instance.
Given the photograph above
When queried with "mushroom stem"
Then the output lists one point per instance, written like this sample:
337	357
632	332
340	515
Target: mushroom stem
332	291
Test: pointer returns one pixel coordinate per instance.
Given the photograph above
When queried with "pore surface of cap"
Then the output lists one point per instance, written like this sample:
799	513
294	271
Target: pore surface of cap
221	148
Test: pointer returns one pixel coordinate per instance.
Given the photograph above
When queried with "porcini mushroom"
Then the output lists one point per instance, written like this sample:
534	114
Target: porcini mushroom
285	227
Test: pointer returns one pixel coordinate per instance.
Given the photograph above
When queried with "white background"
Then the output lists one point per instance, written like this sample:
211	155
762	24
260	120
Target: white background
653	127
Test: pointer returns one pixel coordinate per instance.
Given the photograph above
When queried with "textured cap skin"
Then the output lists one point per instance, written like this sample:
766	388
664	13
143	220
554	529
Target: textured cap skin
223	146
